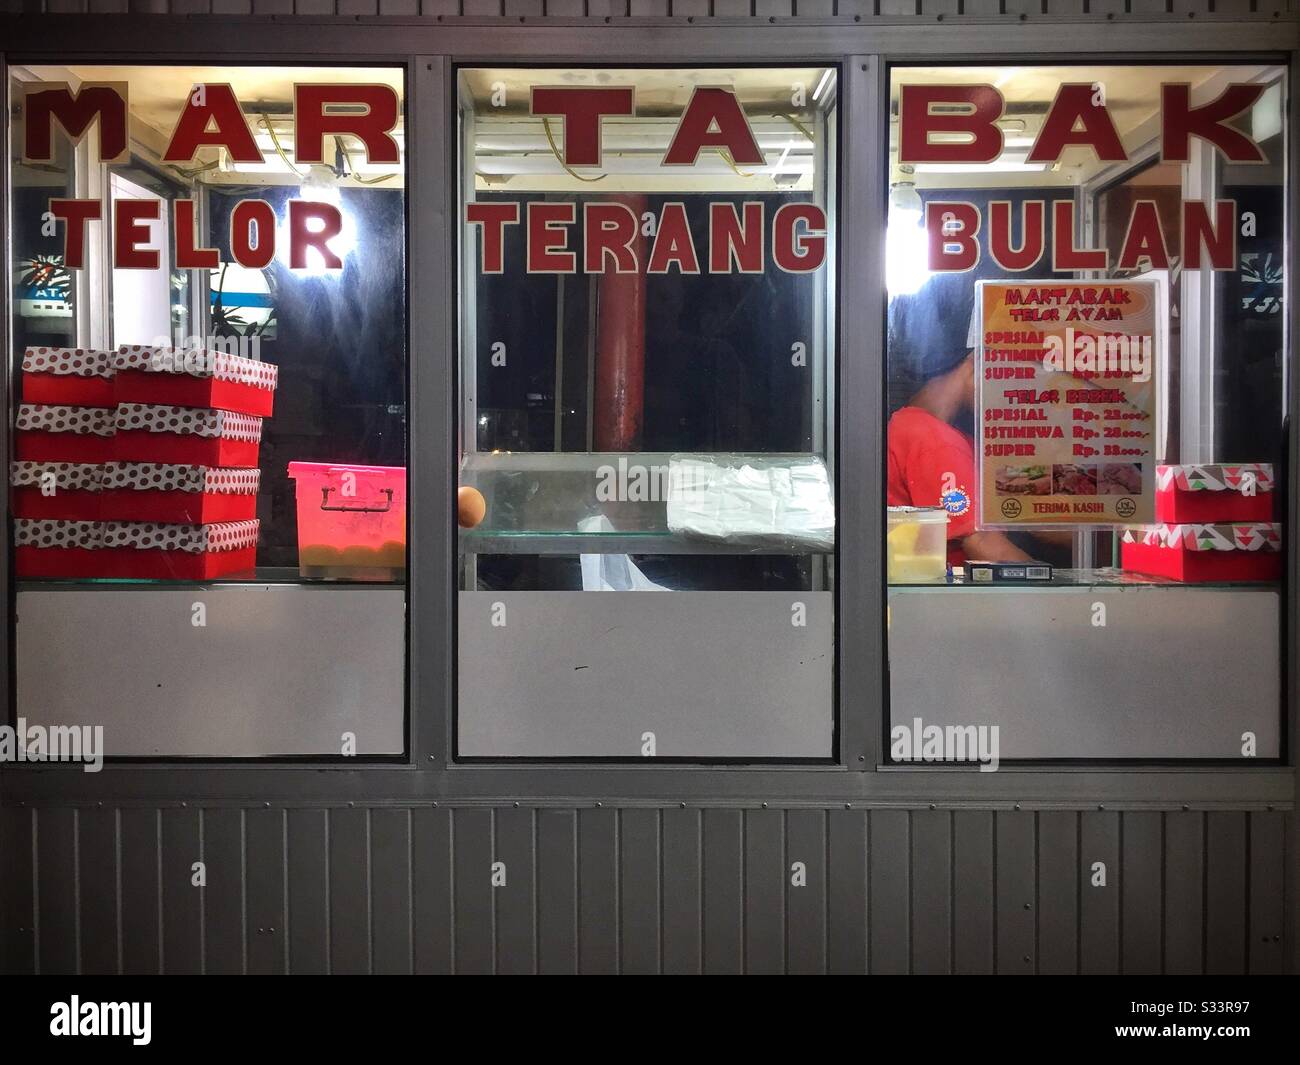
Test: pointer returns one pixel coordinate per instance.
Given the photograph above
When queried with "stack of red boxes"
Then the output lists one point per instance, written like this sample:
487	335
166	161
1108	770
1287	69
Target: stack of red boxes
64	435
159	483
1214	524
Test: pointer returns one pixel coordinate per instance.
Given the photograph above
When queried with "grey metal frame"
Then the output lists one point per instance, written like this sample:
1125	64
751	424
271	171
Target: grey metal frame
429	48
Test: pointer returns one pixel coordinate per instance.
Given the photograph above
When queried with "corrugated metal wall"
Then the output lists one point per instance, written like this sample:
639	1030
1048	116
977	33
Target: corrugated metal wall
401	889
761	9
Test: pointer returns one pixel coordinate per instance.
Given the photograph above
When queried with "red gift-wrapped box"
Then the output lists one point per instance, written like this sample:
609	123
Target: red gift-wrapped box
195	495
1216	493
184	437
154	551
68	491
1232	551
46	548
79	377
197	378
48	433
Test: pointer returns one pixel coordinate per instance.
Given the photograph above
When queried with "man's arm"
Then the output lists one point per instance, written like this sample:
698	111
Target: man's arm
988	546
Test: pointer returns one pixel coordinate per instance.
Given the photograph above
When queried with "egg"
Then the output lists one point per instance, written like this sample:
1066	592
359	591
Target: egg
470	506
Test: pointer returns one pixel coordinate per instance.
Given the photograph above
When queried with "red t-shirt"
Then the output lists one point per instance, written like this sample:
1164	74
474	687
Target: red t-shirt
926	458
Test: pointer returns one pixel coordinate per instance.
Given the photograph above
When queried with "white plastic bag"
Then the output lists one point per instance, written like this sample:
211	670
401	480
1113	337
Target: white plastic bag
611	573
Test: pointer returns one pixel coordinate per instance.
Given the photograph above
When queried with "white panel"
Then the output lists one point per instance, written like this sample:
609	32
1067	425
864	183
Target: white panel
1176	672
278	669
586	674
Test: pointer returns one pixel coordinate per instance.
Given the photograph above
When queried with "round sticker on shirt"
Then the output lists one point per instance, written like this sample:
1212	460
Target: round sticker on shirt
956	502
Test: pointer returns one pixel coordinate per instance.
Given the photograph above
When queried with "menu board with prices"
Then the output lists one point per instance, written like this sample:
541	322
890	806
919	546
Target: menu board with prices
1066	401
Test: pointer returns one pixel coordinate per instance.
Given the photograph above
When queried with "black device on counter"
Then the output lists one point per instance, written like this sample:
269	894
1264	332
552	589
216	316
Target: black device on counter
978	572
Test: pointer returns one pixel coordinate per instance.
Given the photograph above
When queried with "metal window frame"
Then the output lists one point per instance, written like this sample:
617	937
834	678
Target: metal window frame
429	48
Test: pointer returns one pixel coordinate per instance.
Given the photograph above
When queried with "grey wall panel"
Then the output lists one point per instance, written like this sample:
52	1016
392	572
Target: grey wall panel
307	923
598	891
390	859
223	898
765	886
889	918
846	891
97	889
472	860
1225	892
931	861
973	907
432	889
682	899
350	884
288	685
1167	690
1142	894
1099	903
639	863
1184	884
56	896
182	896
805	907
701	10
140	875
1016	881
17	899
1058	892
264	877
641	890
580	674
557	891
724	891
1267	861
516	900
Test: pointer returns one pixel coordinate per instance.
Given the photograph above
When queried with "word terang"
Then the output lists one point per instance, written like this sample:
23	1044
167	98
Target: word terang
958	124
211	117
611	232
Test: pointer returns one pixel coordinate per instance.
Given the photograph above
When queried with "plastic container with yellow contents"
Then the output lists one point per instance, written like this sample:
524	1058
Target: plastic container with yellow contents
351	521
917	544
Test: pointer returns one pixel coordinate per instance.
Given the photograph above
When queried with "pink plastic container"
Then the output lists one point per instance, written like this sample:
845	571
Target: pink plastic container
351	521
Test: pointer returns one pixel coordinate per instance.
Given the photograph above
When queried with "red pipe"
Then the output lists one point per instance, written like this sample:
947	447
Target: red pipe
620	349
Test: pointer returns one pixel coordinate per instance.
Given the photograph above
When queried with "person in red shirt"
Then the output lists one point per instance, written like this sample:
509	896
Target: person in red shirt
932	463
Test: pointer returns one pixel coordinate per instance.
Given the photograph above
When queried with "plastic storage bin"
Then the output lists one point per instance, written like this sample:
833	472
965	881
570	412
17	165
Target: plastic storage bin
351	521
917	544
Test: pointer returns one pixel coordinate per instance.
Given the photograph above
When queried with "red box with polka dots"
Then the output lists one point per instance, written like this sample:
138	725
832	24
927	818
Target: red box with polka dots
77	377
61	433
198	495
158	551
62	490
147	432
198	378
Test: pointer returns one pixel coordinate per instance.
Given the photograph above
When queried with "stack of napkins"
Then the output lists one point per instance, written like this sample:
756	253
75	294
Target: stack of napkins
778	501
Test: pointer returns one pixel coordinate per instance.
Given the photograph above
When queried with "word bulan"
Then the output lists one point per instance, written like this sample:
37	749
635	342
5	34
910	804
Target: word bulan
210	117
964	119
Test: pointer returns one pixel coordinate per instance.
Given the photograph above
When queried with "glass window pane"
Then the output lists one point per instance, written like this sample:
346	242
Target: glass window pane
209	475
1086	380
647	405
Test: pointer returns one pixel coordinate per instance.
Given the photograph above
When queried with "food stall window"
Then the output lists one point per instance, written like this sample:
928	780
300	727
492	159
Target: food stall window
647	407
208	475
1086	368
